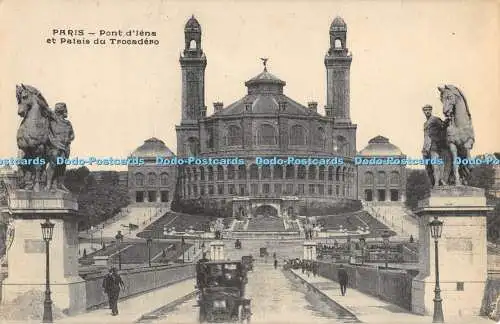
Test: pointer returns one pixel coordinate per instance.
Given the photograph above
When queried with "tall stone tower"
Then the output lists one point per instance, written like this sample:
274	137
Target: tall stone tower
193	63
338	64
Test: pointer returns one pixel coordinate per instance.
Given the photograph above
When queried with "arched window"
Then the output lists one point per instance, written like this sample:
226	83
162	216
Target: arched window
192	146
278	172
234	136
220	172
139	179
267	135
330	173
210	137
340	145
321	174
394	180
230	172
344	173
151	179
266	172
338	43
195	174
290	172
297	135
192	44
210	173
188	174
368	178
202	173
312	172
242	171
381	178
301	172
319	138
164	178
254	171
338	174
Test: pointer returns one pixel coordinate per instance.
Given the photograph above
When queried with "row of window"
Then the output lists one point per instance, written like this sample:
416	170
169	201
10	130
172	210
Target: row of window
151	196
381	195
279	189
266	172
268	135
394	179
152	179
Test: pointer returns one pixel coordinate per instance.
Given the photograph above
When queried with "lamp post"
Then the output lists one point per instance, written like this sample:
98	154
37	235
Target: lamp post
436	227
148	242
119	240
92	238
362	246
385	236
47	231
182	247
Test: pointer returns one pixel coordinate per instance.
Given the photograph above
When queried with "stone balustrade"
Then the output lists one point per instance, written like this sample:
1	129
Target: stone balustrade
390	285
137	281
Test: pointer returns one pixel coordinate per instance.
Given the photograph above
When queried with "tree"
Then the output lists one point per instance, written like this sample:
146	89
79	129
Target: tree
483	176
97	201
417	187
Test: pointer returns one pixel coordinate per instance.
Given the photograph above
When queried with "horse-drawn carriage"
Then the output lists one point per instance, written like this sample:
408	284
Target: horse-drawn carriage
221	295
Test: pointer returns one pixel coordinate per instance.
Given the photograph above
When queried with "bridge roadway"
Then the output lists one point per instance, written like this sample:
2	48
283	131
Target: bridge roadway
277	297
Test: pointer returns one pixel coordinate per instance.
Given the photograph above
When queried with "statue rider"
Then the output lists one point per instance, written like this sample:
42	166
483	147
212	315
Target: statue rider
61	135
434	137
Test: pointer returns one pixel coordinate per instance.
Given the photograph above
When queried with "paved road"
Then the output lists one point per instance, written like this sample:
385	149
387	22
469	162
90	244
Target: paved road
277	297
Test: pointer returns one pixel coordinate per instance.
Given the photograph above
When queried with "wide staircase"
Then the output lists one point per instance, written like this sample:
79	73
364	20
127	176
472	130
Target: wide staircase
395	216
266	224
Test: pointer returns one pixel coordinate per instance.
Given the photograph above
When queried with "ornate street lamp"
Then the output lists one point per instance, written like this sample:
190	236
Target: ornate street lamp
362	243
385	236
47	231
119	240
148	242
436	227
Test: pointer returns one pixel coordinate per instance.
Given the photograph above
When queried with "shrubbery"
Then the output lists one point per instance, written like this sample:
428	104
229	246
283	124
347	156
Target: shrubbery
321	208
97	201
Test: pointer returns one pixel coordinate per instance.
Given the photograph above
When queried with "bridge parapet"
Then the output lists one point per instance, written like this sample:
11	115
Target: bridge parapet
137	281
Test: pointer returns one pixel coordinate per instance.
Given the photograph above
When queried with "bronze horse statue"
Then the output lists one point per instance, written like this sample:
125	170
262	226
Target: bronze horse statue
32	135
459	133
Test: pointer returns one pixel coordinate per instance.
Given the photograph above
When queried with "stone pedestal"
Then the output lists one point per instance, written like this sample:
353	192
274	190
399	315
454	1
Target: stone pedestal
217	251
310	250
462	252
26	269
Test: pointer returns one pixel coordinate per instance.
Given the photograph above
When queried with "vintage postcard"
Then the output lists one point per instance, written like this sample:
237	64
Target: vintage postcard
249	161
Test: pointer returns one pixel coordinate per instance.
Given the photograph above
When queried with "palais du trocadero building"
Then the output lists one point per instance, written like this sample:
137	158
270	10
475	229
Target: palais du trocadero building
267	123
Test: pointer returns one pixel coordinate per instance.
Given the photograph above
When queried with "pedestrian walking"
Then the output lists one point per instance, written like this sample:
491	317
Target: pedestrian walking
275	264
315	269
112	284
343	279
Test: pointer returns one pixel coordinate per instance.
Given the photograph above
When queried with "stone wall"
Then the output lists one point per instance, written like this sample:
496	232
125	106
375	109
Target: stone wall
491	300
393	286
137	281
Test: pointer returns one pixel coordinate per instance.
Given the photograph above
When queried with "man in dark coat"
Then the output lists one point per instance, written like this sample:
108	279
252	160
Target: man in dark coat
112	284
343	279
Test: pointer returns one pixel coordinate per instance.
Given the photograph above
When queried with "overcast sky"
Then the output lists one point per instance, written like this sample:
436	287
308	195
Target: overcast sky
118	96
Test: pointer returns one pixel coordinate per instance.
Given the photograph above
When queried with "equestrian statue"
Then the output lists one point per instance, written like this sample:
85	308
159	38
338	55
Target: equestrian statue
450	140
43	136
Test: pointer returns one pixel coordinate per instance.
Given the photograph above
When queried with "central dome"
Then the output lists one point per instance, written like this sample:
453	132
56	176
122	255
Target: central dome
152	148
380	146
265	95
